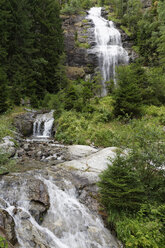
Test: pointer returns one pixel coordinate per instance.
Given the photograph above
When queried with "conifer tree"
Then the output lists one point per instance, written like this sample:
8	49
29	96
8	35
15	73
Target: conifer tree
48	42
128	98
3	91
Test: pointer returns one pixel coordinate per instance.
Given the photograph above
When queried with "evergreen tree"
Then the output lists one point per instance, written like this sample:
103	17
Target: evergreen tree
120	187
3	91
127	96
48	42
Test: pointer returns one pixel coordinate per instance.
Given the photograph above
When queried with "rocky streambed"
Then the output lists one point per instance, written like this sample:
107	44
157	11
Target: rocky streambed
53	204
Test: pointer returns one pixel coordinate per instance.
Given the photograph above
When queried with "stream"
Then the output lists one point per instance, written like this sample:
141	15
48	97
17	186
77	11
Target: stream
53	202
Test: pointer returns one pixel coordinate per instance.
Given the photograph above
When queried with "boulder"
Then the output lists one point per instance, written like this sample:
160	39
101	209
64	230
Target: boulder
39	199
30	235
95	163
24	123
7	146
31	189
79	151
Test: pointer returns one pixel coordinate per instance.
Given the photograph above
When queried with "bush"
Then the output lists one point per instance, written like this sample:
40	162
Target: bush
72	129
3	242
145	230
6	164
136	178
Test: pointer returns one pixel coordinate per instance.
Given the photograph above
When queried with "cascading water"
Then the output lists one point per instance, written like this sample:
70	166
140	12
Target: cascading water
67	224
43	124
108	46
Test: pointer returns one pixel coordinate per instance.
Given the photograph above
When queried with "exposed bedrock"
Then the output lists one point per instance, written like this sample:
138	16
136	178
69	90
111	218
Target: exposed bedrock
78	38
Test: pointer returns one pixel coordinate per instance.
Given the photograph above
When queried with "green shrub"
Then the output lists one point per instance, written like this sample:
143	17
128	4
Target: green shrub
145	230
5	126
3	242
72	129
6	164
133	183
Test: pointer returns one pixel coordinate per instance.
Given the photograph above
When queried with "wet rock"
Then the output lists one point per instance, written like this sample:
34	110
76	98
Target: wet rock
7	222
39	199
24	123
30	235
3	203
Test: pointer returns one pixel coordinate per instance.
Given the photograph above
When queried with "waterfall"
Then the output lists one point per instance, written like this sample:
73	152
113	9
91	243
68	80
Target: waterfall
67	224
108	46
43	124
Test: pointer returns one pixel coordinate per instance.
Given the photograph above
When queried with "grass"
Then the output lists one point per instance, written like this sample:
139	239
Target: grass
6	128
82	45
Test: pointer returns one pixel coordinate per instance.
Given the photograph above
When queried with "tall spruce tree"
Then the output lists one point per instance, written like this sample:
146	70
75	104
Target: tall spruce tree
48	42
31	47
5	27
128	95
3	91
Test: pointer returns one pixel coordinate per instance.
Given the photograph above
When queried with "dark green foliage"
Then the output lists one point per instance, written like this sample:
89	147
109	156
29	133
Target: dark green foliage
161	41
3	91
3	242
120	187
71	7
128	99
145	230
32	46
133	183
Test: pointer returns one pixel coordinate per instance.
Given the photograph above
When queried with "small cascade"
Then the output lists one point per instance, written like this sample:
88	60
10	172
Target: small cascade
67	224
43	124
108	46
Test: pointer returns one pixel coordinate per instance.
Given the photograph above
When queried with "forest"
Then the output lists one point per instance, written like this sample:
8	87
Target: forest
131	116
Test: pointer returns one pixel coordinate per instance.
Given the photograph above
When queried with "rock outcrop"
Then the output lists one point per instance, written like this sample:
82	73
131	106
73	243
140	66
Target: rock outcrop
78	38
24	123
7	146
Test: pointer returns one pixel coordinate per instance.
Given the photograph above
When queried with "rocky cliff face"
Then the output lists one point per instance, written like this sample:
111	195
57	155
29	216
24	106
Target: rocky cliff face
78	38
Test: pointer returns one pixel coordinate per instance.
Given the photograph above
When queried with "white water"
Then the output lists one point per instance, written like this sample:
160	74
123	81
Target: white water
109	46
43	124
68	223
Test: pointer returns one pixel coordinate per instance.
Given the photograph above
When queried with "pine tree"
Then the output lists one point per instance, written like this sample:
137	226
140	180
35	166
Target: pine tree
127	97
3	91
48	42
5	26
20	49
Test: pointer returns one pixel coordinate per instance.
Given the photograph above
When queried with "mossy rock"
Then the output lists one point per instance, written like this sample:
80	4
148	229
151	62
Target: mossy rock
75	72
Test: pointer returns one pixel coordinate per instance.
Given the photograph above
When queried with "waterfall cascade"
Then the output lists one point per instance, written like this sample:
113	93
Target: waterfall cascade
108	46
43	124
67	224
